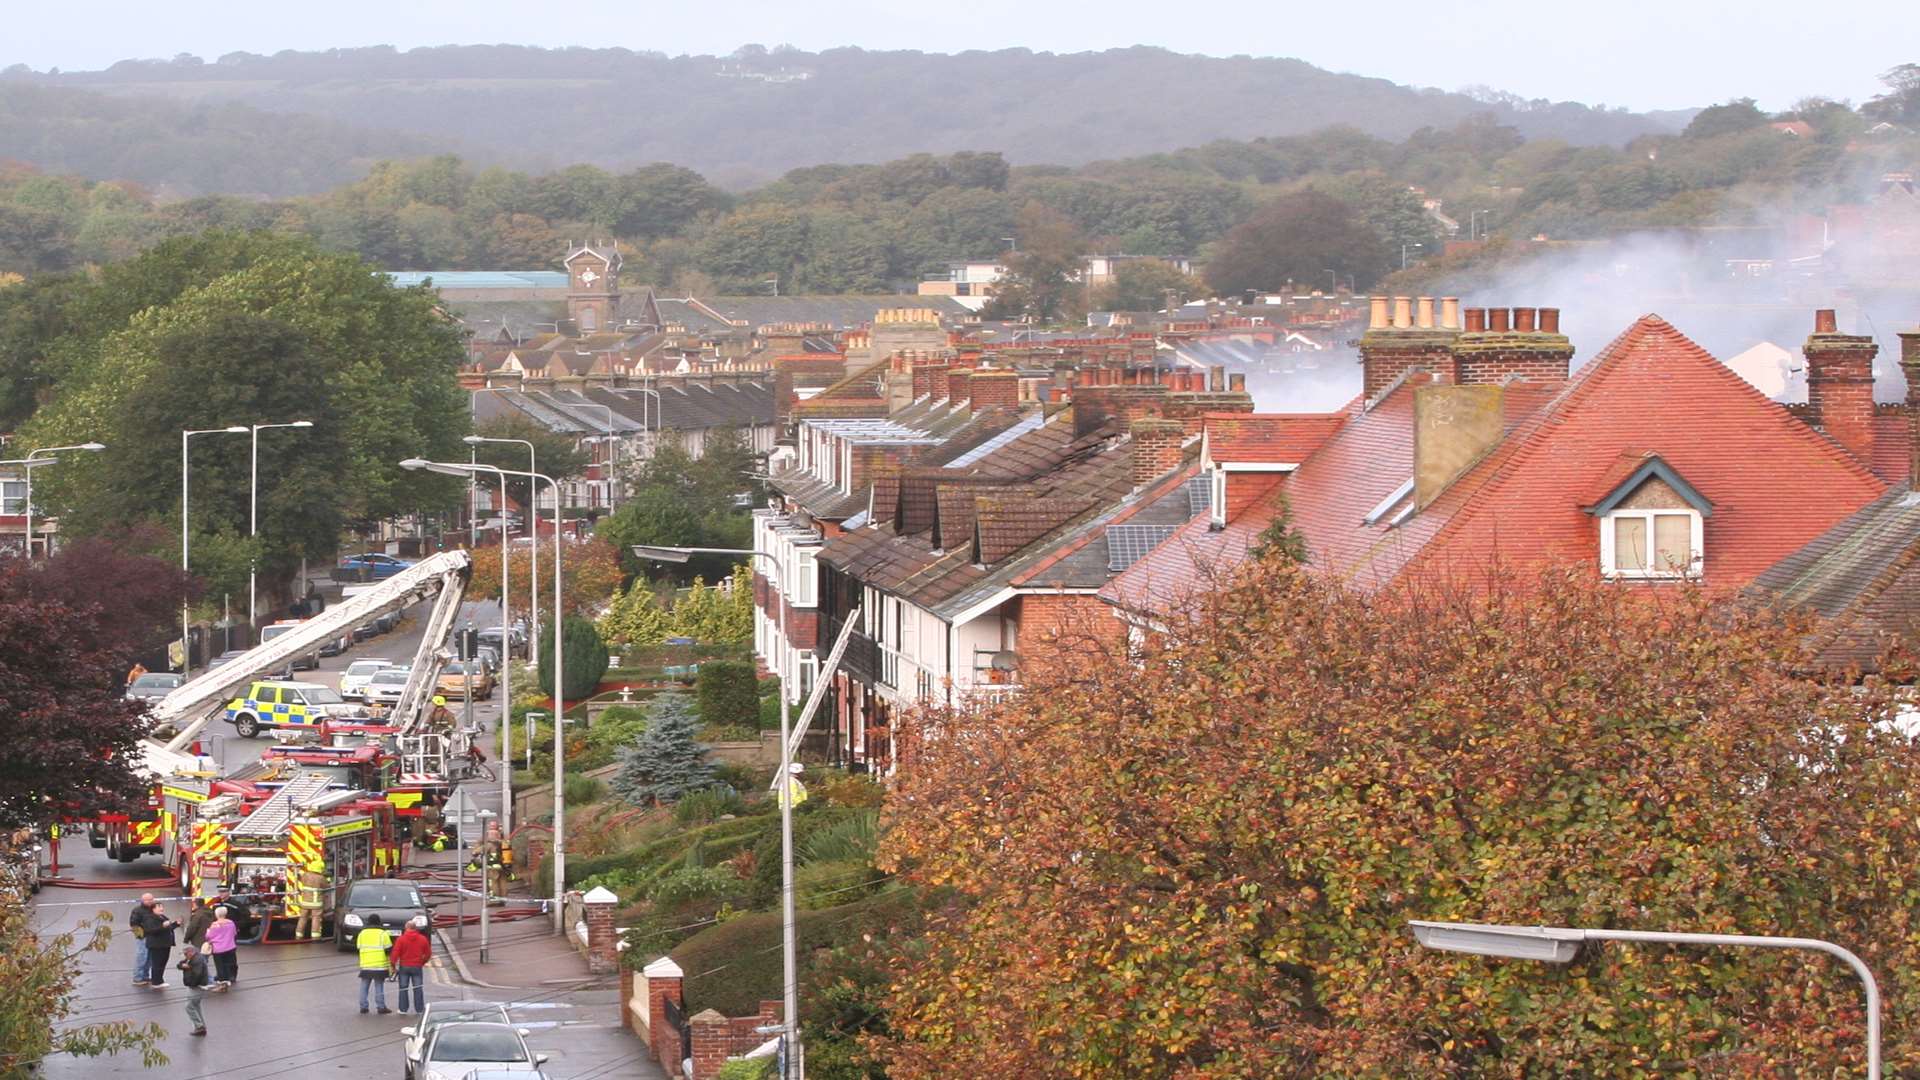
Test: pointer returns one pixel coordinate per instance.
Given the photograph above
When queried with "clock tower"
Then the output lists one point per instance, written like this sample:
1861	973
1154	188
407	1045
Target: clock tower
593	285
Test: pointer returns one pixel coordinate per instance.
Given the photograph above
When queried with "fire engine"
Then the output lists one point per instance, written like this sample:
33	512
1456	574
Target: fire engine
409	759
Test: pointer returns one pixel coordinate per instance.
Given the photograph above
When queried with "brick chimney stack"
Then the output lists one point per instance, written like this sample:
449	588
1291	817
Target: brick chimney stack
1156	449
995	388
1910	364
1840	384
1398	339
959	386
1511	343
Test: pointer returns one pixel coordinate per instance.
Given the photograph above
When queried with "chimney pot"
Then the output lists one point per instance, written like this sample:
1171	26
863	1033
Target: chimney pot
1549	320
1377	313
1423	313
1824	321
1237	383
1403	312
1910	366
1497	320
1523	319
1449	313
1476	320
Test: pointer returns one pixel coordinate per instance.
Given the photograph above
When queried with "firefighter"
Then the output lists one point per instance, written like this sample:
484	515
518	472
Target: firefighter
441	717
310	899
495	864
793	789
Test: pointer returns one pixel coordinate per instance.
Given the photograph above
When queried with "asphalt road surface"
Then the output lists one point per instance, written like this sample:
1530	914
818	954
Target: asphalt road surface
294	1011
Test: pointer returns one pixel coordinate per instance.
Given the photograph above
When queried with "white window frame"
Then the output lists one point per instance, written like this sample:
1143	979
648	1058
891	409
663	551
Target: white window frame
13	505
1217	513
1609	570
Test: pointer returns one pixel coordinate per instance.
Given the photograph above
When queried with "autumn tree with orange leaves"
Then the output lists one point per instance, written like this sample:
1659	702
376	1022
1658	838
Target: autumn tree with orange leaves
1200	861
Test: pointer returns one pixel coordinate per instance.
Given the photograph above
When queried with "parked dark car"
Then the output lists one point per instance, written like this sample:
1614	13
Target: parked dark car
394	901
492	636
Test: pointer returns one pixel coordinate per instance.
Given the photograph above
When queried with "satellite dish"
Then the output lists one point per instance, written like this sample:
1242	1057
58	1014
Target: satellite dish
1005	660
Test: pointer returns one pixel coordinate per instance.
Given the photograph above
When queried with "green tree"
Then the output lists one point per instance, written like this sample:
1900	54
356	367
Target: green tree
635	618
729	694
584	655
668	760
41	972
222	330
1900	104
1739	114
1145	285
712	616
1298	237
1039	283
1242	818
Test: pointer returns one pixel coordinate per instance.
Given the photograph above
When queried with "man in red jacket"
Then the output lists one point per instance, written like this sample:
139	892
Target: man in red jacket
409	957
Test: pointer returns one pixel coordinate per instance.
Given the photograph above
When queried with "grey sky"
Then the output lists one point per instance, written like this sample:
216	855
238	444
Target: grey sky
1643	54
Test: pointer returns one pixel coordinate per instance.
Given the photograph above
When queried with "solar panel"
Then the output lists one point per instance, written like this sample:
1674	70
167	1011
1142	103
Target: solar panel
1199	496
1128	544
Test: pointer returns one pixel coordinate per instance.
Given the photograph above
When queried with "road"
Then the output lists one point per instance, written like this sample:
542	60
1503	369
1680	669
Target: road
294	1011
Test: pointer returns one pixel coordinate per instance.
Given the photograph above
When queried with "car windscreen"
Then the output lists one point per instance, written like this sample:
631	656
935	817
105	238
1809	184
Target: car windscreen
320	695
165	682
459	1043
272	632
366	667
391	675
381	894
455	668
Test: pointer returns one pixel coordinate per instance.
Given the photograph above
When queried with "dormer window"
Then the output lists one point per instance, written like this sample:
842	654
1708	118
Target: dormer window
1650	544
1652	522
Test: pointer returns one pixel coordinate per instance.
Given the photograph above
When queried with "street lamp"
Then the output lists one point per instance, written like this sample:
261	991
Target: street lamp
1473	232
789	950
506	673
461	468
186	616
1403	253
533	530
1335	275
253	516
1559	945
34	455
486	875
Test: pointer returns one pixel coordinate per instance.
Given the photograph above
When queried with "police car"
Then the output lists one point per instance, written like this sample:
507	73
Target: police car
281	704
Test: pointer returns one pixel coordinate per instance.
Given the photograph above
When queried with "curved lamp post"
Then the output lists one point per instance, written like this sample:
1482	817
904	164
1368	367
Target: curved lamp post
34	455
186	616
1559	945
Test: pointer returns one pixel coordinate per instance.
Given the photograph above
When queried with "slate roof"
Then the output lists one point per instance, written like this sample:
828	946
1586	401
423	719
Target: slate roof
1862	577
521	318
681	405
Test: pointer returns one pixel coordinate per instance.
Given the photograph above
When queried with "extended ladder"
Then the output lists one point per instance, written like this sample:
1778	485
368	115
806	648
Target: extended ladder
272	817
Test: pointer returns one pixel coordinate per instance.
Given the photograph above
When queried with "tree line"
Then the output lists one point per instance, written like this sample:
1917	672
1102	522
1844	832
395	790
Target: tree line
1258	213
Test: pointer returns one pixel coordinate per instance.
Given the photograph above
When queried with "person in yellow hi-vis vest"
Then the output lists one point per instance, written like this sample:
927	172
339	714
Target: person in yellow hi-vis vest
374	944
793	789
309	894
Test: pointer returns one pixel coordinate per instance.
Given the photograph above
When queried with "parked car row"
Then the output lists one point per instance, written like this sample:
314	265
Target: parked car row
370	566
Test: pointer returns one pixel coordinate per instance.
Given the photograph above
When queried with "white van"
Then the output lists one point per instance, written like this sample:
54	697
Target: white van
310	661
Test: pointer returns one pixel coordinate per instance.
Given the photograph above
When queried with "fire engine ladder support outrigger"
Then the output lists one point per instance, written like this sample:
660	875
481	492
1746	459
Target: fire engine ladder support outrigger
444	576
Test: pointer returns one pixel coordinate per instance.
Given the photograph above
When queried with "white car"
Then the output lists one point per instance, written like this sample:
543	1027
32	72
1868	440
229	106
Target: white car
385	686
353	682
454	1051
440	1013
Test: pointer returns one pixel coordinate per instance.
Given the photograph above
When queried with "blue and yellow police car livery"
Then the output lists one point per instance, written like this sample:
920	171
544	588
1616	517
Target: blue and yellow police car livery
281	704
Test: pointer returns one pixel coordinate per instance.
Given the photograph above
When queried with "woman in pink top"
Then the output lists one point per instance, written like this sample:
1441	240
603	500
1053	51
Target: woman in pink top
221	943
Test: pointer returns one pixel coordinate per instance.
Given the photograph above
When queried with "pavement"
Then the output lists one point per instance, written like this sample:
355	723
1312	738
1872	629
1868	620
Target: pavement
293	1012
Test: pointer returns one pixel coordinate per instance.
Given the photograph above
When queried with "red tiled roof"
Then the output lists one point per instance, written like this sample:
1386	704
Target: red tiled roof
1268	438
1191	561
1774	483
1004	525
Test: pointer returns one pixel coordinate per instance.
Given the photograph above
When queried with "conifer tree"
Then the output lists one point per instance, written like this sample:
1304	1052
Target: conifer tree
667	761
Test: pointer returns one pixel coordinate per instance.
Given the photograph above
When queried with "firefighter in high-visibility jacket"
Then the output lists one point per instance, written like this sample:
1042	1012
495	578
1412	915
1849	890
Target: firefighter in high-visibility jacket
310	896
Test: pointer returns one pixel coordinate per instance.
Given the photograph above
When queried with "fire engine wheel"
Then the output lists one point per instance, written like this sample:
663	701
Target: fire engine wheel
113	849
247	725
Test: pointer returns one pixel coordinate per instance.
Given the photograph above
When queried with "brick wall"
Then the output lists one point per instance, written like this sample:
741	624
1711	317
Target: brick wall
1156	449
930	380
1058	629
717	1038
1386	354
